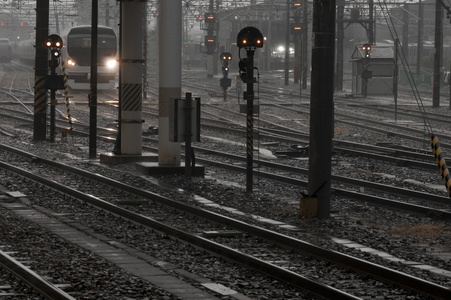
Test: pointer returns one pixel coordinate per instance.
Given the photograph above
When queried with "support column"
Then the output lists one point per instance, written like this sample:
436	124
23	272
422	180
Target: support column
132	64
287	45
420	37
170	60
371	22
438	41
322	105
305	43
405	30
41	70
340	38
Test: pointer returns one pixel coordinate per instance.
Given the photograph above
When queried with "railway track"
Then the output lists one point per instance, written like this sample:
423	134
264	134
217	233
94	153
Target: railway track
288	172
241	247
24	274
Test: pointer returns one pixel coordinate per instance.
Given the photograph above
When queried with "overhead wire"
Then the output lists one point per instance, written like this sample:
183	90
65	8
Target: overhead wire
436	149
403	56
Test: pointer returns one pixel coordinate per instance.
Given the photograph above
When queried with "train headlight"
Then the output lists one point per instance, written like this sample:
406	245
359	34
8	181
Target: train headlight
70	62
111	63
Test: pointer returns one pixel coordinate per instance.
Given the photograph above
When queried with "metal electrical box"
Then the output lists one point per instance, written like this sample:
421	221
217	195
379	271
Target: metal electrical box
178	115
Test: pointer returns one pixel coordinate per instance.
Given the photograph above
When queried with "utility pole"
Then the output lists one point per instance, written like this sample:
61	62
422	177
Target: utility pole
340	37
438	53
395	79
40	71
211	39
371	22
322	105
405	30
305	64
420	36
93	84
287	45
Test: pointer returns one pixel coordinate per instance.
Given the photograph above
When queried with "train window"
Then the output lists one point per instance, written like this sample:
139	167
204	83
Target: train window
79	42
106	41
85	42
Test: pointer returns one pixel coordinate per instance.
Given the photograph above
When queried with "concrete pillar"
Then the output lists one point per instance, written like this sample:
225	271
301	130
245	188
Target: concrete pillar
131	77
170	85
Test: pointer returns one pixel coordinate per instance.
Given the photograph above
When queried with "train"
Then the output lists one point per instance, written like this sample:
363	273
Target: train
5	50
76	53
76	56
427	55
194	56
25	52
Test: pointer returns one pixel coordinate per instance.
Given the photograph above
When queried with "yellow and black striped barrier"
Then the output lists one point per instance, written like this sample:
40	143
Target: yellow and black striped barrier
250	136
40	95
441	162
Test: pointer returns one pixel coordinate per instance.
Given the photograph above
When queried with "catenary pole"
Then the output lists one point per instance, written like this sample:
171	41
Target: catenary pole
170	47
321	104
93	83
41	70
131	77
420	37
287	44
305	62
438	42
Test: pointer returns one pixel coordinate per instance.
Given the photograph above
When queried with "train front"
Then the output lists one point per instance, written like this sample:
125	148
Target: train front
78	58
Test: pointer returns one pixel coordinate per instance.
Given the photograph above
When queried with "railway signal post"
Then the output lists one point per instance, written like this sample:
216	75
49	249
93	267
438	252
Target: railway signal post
366	74
225	81
249	38
54	44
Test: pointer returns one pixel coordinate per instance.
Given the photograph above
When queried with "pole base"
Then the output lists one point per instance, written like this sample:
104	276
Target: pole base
109	158
308	207
155	169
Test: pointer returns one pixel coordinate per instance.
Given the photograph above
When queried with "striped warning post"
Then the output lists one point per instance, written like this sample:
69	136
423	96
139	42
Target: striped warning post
441	163
40	95
131	97
66	93
250	136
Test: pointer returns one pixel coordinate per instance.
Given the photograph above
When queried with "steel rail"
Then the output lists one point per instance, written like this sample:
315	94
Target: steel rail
366	184
367	268
32	279
336	178
291	278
